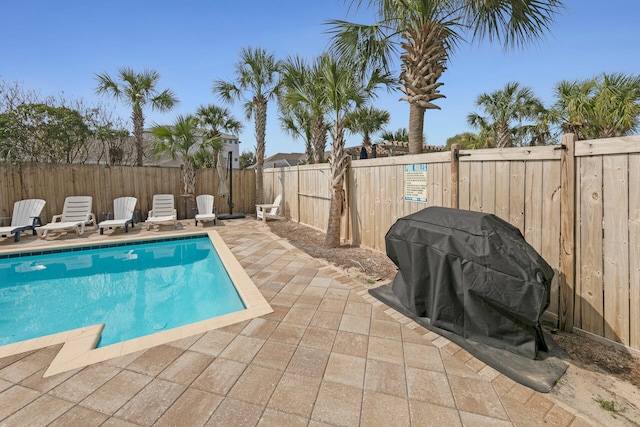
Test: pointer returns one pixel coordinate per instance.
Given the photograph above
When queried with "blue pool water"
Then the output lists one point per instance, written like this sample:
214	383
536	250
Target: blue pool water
134	289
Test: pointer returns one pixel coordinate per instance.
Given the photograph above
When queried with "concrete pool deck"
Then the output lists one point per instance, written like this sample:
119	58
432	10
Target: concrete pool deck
329	354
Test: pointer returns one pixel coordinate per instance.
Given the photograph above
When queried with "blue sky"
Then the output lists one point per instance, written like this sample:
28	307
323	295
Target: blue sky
55	47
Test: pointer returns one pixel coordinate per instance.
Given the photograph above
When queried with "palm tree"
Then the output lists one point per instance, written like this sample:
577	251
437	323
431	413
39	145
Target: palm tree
616	105
506	110
304	95
296	121
180	139
213	120
138	90
571	110
402	134
600	107
345	91
367	120
427	32
257	82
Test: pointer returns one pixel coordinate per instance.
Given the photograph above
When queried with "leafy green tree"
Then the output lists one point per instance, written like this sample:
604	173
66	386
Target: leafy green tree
427	32
181	139
367	121
138	90
257	81
214	120
506	112
42	133
602	107
114	140
247	158
467	141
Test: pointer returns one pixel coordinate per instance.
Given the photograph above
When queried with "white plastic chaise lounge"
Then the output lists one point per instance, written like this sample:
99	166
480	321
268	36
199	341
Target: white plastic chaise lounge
264	212
76	214
123	208
26	215
206	210
162	210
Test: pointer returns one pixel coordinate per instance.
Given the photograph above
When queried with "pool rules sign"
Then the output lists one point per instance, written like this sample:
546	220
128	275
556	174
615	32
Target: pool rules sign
415	183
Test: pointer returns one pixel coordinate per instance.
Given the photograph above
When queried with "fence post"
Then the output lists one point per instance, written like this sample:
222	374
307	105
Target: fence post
455	167
567	233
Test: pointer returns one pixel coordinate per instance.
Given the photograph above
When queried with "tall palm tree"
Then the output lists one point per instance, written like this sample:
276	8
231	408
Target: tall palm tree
366	121
213	120
506	111
345	91
180	140
138	90
257	82
427	32
303	89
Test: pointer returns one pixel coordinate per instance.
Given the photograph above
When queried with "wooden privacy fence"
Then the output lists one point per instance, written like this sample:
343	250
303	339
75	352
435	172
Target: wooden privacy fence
577	204
54	182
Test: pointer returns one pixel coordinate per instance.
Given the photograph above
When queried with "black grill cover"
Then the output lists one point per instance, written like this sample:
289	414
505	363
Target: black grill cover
473	274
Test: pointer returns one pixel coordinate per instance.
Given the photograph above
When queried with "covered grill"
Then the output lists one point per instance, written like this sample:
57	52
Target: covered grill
473	274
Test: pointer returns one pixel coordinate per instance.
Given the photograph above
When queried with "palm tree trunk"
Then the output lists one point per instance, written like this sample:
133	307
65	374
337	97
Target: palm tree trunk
416	127
339	162
138	127
319	140
261	125
503	136
366	140
188	176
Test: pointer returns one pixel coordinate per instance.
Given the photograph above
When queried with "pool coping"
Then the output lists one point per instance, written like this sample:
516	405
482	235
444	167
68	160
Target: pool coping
78	348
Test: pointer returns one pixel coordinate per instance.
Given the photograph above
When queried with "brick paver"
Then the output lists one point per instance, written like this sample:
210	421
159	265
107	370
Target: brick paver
329	354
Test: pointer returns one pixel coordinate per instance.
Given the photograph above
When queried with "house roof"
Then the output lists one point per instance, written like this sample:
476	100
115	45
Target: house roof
282	160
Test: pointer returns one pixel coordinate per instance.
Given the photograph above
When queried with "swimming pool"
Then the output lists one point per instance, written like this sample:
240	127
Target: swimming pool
134	289
79	347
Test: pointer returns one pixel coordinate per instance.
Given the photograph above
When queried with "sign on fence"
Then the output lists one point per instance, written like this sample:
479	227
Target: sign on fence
415	183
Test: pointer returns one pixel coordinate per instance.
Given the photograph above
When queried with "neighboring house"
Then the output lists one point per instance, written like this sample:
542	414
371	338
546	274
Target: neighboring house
231	143
282	160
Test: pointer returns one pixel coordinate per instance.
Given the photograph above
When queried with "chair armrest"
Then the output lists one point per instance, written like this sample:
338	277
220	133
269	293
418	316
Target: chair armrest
56	218
195	211
265	206
4	218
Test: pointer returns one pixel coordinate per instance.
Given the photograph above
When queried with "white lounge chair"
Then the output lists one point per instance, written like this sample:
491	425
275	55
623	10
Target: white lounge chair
162	210
76	213
264	212
26	214
206	210
123	208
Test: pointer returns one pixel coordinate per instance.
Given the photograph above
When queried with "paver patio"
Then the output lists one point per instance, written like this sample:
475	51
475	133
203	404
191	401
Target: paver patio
329	354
